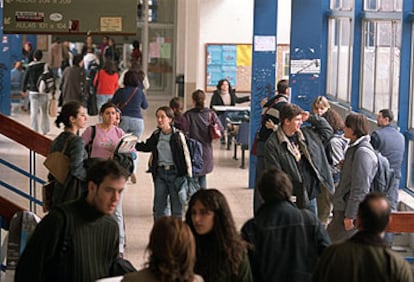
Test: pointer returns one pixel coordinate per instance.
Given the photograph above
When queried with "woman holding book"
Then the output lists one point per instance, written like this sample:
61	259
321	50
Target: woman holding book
101	141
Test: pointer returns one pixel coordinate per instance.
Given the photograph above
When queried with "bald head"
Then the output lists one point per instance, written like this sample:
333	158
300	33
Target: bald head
374	213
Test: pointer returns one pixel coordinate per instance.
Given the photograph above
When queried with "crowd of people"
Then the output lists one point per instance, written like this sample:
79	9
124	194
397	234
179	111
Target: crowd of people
310	165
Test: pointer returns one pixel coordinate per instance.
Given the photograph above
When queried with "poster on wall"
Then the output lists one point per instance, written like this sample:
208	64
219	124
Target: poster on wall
230	61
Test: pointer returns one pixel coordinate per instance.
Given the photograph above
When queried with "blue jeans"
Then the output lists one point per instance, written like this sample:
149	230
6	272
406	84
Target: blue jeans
202	180
102	99
132	125
39	101
164	187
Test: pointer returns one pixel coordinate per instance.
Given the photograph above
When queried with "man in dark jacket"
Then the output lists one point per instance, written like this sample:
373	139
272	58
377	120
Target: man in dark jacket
269	123
365	257
286	241
300	153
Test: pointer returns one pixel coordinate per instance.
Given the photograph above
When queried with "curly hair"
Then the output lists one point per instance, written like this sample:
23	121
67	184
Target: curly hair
219	252
171	250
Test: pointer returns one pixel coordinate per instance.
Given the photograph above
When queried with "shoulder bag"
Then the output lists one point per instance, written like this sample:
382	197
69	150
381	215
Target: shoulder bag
121	107
213	127
58	163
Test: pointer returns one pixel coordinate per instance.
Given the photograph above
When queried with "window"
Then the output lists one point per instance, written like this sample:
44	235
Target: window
380	65
383	5
339	58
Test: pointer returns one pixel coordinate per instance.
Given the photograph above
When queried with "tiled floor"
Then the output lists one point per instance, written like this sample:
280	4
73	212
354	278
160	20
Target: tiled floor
137	205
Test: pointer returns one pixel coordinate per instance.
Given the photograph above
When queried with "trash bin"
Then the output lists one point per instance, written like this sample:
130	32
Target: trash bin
179	80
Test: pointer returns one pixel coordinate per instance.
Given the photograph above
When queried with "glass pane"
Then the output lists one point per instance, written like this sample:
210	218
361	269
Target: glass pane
332	59
383	65
370	5
343	60
342	4
161	11
160	65
368	68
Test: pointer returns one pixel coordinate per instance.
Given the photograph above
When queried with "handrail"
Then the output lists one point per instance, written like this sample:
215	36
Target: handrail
37	144
25	136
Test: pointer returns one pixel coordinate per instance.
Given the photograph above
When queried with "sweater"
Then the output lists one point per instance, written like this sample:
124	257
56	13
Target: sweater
93	246
135	104
106	83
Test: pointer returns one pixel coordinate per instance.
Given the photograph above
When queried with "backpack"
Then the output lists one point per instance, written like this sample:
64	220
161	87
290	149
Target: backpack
384	180
196	152
46	81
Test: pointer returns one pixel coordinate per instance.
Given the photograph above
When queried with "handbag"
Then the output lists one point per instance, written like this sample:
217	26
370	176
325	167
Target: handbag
58	163
213	128
53	107
92	104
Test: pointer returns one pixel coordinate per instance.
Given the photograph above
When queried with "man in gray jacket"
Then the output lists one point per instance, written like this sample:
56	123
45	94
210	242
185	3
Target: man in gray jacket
300	153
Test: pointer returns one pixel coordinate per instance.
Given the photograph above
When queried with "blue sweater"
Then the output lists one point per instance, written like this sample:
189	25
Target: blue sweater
135	104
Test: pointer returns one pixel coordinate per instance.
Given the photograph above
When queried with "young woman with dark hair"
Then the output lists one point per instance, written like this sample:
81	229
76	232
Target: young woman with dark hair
199	119
171	252
73	116
220	251
167	164
106	83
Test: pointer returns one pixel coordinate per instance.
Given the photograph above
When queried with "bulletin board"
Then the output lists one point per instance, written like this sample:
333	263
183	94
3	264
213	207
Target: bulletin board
230	61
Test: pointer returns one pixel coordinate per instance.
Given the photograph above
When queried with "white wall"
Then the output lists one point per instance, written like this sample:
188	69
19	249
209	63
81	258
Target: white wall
223	21
231	21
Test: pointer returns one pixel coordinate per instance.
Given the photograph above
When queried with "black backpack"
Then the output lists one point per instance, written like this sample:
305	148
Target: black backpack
48	85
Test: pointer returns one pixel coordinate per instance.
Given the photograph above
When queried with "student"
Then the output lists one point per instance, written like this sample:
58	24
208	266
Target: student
171	252
199	119
180	122
101	141
73	116
358	171
221	252
168	163
294	238
93	243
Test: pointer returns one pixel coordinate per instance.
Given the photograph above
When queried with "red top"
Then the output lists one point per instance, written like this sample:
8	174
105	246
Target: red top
107	83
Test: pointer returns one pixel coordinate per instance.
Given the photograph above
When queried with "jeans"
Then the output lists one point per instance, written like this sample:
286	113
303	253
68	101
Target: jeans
39	101
119	217
102	99
164	187
132	125
202	180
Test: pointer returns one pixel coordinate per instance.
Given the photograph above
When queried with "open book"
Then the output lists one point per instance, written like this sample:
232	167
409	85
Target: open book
126	144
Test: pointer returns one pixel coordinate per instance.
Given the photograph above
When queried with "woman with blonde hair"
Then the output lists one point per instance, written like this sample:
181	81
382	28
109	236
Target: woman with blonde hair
171	252
320	105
